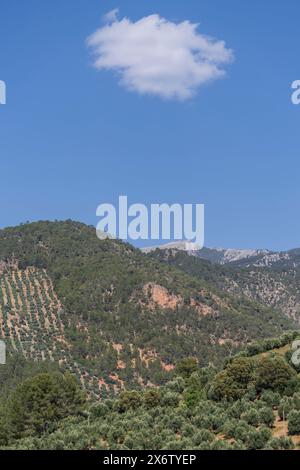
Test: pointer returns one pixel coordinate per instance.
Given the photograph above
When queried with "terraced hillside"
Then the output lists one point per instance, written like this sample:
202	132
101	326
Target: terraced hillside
33	321
30	314
114	316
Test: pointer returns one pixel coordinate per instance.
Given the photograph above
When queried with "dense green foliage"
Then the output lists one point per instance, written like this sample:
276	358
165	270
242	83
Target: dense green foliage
37	404
101	287
183	414
274	282
77	312
244	375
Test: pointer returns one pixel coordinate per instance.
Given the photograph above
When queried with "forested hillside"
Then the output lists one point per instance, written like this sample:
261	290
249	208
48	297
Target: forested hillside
276	285
252	403
113	316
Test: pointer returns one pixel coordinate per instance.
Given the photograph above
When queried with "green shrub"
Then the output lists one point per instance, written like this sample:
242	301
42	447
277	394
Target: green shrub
258	438
39	403
170	399
186	367
273	373
285	406
251	417
202	436
128	400
266	416
294	422
152	398
281	443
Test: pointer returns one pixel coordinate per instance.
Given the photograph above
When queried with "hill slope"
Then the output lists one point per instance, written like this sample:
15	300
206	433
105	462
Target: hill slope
252	404
276	285
112	315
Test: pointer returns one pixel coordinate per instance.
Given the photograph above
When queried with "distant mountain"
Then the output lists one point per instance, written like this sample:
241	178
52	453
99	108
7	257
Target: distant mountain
187	246
114	316
215	255
238	257
226	256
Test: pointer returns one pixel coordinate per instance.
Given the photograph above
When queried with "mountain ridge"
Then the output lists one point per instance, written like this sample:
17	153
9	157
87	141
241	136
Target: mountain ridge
245	257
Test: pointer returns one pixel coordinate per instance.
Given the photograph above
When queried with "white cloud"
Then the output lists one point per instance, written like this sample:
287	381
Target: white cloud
158	57
111	16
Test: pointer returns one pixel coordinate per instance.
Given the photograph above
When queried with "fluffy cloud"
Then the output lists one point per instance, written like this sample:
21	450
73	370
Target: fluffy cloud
158	57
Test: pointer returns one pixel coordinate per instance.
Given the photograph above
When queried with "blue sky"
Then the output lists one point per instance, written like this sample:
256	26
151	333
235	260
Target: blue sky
71	137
